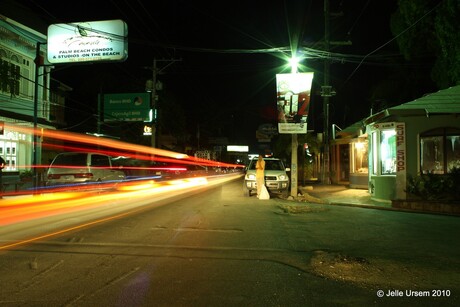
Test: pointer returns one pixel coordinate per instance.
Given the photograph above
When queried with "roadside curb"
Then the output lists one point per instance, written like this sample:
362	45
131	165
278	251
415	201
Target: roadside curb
390	208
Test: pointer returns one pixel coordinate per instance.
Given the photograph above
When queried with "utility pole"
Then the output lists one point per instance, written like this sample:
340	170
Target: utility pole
35	155
153	102
155	73
326	93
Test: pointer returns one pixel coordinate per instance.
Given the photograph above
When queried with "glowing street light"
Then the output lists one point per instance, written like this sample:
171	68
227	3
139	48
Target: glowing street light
294	63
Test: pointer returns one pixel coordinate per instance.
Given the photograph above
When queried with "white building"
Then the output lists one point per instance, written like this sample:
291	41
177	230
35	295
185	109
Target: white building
25	97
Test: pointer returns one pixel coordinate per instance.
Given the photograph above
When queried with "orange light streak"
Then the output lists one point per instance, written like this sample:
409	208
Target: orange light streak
20	209
22	242
122	148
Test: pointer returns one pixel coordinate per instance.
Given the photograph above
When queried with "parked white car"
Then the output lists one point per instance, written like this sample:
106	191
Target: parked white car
82	167
276	178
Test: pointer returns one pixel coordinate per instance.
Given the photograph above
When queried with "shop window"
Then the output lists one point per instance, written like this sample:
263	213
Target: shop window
9	153
375	157
439	151
344	160
359	160
388	152
453	152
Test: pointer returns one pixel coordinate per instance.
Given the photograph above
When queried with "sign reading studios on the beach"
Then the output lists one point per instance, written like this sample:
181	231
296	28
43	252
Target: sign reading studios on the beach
92	41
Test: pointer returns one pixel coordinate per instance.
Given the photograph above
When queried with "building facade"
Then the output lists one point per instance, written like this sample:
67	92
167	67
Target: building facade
417	137
349	157
381	152
26	99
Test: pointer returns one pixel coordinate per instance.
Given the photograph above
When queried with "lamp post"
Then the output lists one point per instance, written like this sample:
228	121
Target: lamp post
35	139
155	72
294	61
153	104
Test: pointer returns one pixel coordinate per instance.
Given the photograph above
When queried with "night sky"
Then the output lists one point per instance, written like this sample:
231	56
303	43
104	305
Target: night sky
224	78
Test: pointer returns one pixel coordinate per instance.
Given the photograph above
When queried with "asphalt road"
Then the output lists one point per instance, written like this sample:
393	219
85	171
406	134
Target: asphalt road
220	248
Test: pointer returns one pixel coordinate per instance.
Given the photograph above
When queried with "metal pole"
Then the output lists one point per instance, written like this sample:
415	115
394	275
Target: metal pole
326	93
34	143
154	93
294	168
155	72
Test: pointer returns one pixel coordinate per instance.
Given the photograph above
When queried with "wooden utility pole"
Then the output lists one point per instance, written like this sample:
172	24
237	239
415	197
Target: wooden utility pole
153	104
325	93
155	72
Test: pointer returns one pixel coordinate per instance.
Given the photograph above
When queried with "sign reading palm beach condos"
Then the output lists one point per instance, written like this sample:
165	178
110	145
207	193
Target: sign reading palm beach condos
88	42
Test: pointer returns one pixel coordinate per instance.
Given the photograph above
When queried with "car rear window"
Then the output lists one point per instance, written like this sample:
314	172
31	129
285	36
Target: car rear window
100	160
76	159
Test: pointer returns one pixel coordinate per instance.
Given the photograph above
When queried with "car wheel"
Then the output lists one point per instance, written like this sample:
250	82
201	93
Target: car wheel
247	193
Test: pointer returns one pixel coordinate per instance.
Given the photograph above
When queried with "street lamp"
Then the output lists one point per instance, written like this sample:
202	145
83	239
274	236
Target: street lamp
38	64
294	62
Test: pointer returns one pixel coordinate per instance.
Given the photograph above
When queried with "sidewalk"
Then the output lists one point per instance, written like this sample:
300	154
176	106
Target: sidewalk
342	195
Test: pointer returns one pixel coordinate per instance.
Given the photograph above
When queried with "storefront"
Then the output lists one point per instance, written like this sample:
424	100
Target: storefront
359	162
387	160
23	104
421	136
15	149
349	157
16	146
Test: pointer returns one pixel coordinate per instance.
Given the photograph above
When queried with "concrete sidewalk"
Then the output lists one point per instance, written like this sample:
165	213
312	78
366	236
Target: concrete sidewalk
342	195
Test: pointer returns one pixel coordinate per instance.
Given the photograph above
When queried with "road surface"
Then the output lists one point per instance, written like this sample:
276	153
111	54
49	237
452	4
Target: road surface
220	248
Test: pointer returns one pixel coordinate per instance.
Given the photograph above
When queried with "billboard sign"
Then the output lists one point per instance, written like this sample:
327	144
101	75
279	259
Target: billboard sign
127	107
293	101
237	148
266	132
91	41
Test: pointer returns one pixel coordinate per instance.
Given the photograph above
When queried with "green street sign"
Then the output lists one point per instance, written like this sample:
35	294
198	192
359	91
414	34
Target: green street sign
130	107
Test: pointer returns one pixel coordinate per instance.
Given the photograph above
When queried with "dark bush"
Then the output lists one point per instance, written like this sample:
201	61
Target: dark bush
435	187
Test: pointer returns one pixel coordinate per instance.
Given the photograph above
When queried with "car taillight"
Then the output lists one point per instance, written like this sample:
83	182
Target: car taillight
83	175
78	175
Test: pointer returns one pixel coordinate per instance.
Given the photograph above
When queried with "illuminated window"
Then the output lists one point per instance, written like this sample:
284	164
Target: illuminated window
359	160
375	156
439	151
388	152
8	152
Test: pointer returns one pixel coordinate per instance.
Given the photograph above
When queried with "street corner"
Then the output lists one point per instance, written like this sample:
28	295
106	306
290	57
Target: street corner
305	196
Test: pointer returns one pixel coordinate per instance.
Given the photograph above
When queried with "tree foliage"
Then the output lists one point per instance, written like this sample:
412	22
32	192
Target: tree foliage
428	33
282	145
